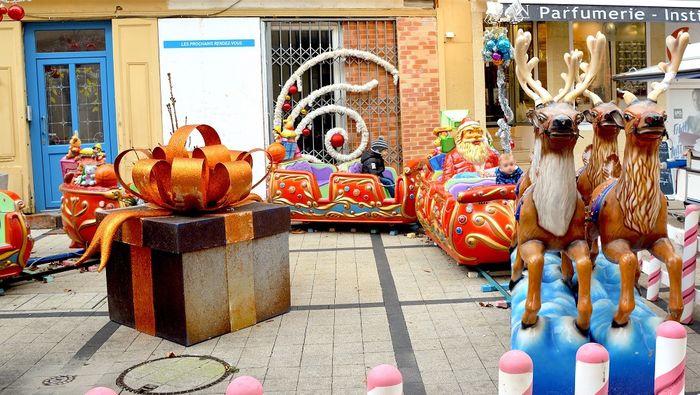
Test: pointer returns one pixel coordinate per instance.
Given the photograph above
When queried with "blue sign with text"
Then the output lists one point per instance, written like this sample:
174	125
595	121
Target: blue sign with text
208	43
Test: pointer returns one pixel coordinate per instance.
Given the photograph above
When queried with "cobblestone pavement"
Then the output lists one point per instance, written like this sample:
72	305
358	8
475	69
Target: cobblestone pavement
359	300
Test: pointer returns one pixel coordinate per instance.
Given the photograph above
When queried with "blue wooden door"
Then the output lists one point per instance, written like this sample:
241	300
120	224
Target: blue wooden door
70	89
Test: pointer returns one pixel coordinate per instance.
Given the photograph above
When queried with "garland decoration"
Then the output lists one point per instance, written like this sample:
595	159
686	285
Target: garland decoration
499	51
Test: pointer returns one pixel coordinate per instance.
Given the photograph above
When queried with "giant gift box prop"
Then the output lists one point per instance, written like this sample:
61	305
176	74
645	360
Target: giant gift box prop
188	279
186	267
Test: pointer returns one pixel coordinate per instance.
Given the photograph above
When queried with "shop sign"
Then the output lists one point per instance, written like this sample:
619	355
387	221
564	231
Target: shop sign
207	43
565	13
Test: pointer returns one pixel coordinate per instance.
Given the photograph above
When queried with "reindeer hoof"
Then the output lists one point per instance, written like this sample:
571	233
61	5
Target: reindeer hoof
524	325
583	332
615	324
512	283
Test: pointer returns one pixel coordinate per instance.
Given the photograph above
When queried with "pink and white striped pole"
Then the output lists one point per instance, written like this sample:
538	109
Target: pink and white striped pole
669	368
101	391
384	380
653	270
592	370
515	373
690	251
244	385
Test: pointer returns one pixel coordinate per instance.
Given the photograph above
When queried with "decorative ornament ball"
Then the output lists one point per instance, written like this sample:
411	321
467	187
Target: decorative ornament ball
287	106
496	56
15	12
498	62
306	132
0	17
304	111
503	45
277	152
105	176
337	140
293	90
490	44
506	55
3	10
287	98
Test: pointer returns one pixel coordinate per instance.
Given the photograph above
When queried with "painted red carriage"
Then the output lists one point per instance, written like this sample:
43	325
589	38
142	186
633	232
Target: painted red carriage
321	192
471	218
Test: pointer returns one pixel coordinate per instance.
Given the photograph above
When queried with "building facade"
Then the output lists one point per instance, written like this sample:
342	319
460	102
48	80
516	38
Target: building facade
108	70
636	39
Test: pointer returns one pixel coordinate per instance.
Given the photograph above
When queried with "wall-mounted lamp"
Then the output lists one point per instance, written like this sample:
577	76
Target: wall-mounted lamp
449	34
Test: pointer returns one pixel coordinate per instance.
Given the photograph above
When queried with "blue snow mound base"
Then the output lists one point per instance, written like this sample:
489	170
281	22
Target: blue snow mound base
552	342
632	347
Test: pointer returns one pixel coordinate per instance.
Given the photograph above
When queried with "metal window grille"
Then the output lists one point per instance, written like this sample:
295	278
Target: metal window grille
292	42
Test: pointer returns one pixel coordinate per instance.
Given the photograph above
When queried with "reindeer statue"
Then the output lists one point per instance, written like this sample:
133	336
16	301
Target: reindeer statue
550	213
607	121
629	214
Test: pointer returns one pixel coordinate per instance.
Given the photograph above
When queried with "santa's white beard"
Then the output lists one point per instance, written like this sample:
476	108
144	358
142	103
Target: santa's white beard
555	193
476	154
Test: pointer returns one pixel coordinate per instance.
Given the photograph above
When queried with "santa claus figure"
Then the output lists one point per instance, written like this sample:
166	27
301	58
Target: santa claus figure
473	153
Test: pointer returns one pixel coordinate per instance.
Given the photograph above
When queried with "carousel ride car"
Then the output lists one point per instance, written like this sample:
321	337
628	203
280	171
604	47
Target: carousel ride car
459	202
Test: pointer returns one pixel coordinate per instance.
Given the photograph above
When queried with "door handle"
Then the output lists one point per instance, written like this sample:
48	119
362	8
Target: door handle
44	130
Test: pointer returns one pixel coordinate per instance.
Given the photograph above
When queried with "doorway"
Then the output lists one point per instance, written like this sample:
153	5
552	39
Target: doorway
70	89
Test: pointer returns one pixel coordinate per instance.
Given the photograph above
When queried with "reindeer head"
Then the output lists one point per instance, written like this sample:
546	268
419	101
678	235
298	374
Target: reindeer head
645	118
606	118
555	119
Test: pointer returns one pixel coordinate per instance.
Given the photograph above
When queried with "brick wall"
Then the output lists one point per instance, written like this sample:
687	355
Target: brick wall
419	84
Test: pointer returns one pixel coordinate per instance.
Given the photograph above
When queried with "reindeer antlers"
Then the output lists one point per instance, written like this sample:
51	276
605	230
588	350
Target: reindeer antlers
676	47
523	70
595	99
573	61
533	88
596	46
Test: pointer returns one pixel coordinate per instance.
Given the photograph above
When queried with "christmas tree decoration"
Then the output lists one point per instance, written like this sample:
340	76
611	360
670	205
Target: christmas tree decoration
293	90
287	106
336	139
306	132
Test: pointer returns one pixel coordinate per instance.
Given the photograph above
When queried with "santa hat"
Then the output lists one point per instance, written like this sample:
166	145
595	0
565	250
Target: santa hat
468	123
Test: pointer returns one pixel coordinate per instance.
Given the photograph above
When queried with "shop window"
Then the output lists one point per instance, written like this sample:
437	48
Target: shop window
626	52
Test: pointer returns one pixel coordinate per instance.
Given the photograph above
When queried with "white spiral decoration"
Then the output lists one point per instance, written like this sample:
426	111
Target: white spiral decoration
328	89
361	127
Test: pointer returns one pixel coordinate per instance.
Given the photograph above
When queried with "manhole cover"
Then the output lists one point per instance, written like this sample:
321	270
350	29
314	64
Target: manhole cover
58	380
175	375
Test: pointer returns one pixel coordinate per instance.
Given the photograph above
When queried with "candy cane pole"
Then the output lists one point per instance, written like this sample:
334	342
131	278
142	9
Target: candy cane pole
592	370
384	380
669	368
690	250
653	270
515	374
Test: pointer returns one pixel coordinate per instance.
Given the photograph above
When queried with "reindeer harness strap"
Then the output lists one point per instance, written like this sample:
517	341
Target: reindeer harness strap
597	204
